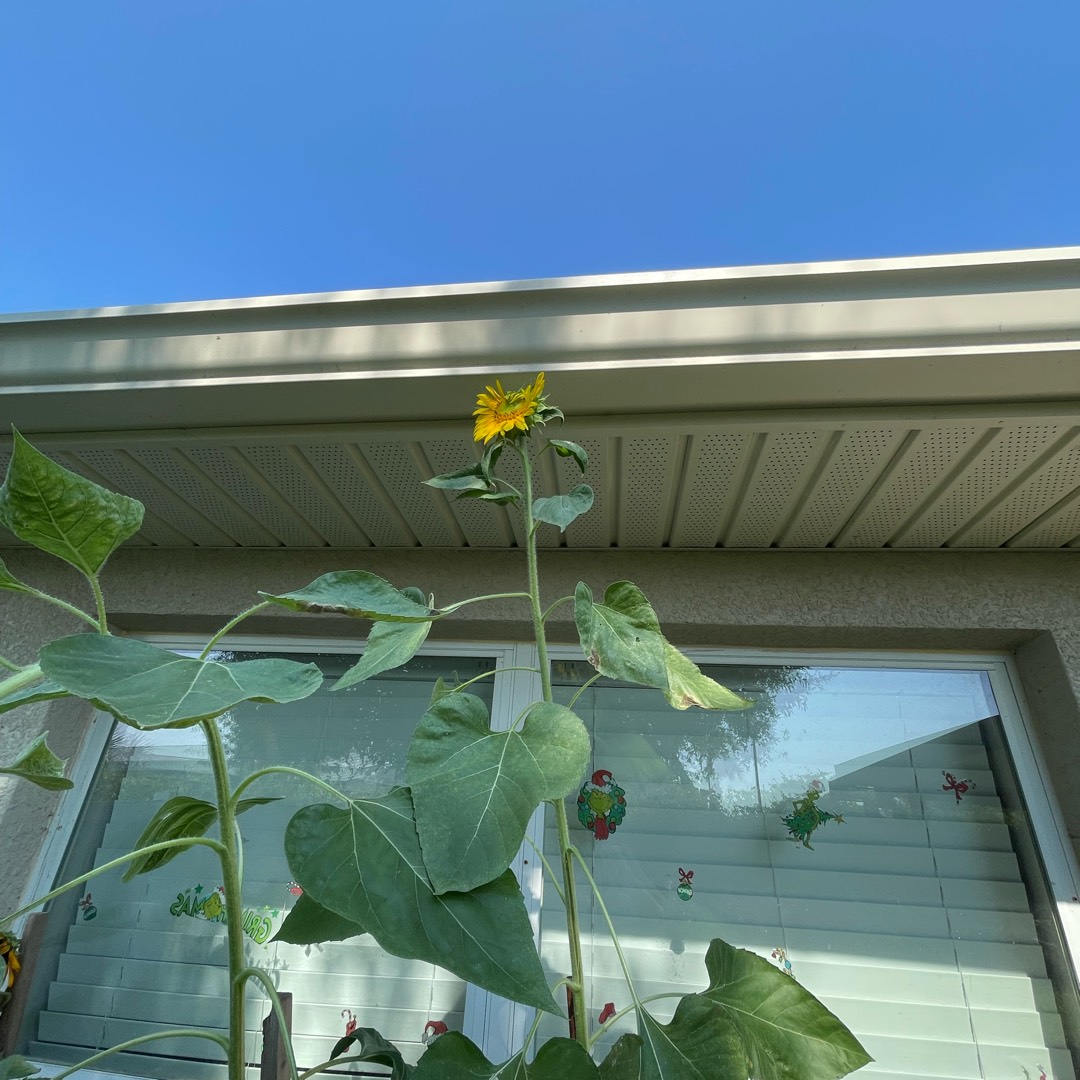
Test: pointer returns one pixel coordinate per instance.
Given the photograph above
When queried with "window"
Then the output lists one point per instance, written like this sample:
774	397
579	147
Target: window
919	919
924	919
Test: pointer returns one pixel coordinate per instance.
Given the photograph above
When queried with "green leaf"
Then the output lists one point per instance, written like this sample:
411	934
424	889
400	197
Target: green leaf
501	498
468	479
42	691
175	819
687	685
365	864
368	1045
389	645
355	593
16	1068
565	448
309	923
698	1044
490	460
441	690
38	764
621	637
63	513
475	789
149	688
787	1032
562	509
454	1057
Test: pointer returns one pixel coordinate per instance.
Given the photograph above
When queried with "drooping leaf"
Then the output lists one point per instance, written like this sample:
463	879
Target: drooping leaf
365	864
471	478
148	687
454	1057
698	1044
562	509
42	691
475	789
38	764
368	1045
63	513
17	1068
309	923
176	819
500	498
440	690
355	593
490	459
565	448
621	637
787	1032
687	685
389	645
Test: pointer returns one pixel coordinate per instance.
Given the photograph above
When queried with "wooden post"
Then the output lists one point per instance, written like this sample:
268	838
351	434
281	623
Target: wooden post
275	1062
11	1019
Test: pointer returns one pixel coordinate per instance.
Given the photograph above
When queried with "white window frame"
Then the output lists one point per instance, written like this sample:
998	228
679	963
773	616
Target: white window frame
496	1025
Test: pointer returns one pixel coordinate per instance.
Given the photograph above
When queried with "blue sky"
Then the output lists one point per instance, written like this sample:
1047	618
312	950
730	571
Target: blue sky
181	149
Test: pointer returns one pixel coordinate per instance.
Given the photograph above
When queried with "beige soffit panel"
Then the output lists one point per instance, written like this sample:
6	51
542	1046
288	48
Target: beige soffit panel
889	480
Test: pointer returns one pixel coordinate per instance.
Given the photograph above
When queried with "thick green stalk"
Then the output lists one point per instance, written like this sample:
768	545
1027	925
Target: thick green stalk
234	904
24	677
573	926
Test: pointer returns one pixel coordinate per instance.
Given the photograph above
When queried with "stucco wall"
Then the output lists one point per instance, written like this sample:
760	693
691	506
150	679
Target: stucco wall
1026	604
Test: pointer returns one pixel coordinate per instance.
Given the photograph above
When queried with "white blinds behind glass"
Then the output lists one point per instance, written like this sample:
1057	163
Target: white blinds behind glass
136	966
909	920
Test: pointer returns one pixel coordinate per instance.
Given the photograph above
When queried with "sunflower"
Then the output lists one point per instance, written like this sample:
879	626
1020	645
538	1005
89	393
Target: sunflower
500	413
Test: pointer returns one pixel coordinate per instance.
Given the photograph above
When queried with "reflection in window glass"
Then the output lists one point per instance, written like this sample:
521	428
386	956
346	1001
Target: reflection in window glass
129	959
907	910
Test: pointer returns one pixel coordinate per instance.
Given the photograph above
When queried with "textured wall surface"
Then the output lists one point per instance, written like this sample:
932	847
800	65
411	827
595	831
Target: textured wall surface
1024	604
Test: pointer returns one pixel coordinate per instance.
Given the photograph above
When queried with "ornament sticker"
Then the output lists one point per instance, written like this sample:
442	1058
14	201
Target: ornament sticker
601	804
685	888
86	906
957	787
806	816
432	1030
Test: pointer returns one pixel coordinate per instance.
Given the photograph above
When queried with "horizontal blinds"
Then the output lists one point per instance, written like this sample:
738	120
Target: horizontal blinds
136	967
910	920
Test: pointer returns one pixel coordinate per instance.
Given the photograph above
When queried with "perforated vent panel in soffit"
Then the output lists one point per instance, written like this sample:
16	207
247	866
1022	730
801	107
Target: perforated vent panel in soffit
973	484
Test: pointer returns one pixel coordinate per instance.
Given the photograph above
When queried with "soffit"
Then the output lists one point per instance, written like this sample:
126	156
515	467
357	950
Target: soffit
919	404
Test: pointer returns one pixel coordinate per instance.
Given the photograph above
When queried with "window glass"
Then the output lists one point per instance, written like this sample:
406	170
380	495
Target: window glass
906	904
128	959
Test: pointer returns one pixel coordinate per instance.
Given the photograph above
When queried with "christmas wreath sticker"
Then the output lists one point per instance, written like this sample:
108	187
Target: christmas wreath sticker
601	804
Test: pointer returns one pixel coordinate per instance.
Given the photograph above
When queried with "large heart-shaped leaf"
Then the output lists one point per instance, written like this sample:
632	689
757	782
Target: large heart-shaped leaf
355	593
365	864
63	513
698	1044
786	1030
621	637
38	764
309	923
389	645
562	509
475	789
44	690
454	1057
366	1044
148	687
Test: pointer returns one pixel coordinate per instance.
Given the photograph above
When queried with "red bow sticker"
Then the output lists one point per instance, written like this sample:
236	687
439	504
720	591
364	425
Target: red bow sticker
957	787
607	1012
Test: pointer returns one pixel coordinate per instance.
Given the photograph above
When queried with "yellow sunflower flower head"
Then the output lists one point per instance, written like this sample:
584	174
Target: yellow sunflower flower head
499	412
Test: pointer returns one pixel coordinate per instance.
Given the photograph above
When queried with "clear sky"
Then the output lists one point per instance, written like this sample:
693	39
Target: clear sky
160	150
